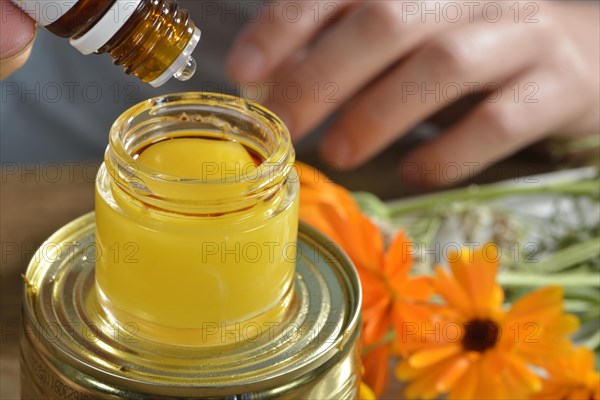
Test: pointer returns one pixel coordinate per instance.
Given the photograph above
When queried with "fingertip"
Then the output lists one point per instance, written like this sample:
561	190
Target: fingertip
246	62
17	31
12	64
336	151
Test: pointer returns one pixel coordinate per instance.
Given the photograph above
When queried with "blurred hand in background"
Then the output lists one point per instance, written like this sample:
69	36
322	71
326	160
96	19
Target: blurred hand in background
388	65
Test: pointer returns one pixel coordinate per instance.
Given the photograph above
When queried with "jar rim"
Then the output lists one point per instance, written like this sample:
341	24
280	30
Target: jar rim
281	156
227	117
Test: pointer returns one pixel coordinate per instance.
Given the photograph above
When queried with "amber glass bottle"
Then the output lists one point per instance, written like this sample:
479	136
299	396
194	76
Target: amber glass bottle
151	39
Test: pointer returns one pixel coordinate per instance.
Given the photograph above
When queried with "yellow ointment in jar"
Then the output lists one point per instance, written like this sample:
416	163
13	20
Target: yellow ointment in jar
197	216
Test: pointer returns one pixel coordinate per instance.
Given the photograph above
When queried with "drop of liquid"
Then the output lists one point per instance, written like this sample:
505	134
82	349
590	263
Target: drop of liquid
186	72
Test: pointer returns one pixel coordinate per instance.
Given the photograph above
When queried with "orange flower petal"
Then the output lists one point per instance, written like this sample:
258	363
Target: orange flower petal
424	386
494	358
450	289
375	328
476	272
569	374
562	325
375	292
521	373
365	392
542	301
399	259
409	289
376	364
331	208
545	348
432	355
421	389
404	372
373	255
311	177
465	386
452	374
489	383
314	218
579	394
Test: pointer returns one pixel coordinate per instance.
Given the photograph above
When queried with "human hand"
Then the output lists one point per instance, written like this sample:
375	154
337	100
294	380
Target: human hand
393	66
17	34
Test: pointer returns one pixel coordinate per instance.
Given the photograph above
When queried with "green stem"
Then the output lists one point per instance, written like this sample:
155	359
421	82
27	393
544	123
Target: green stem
492	191
577	306
536	280
593	341
572	255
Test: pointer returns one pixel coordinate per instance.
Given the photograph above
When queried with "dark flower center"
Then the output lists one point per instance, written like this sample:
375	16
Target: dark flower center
480	335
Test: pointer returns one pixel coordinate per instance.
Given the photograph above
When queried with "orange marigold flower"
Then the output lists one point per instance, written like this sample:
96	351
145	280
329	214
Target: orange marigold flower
469	346
365	392
388	291
571	377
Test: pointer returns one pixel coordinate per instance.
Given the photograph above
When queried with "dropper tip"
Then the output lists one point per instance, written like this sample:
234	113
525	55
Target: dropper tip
187	71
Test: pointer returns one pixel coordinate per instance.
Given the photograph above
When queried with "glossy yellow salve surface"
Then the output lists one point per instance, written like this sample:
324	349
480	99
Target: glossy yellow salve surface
198	158
182	272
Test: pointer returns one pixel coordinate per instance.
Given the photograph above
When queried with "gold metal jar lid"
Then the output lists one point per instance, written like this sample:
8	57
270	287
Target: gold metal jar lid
67	337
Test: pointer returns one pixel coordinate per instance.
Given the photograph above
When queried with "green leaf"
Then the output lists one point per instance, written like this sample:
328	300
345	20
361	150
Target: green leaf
568	257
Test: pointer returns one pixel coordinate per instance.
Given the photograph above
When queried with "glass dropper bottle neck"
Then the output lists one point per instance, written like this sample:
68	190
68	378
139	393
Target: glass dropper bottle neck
155	43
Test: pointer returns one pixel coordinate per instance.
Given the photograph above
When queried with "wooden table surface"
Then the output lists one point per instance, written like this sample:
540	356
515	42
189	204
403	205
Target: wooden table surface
38	199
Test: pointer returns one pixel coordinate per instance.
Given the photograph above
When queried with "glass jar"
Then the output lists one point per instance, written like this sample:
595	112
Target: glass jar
196	245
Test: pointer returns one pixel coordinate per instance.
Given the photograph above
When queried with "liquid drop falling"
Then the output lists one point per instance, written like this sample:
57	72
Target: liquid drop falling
186	72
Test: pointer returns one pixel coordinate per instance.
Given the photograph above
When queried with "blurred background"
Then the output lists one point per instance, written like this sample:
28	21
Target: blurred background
61	105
